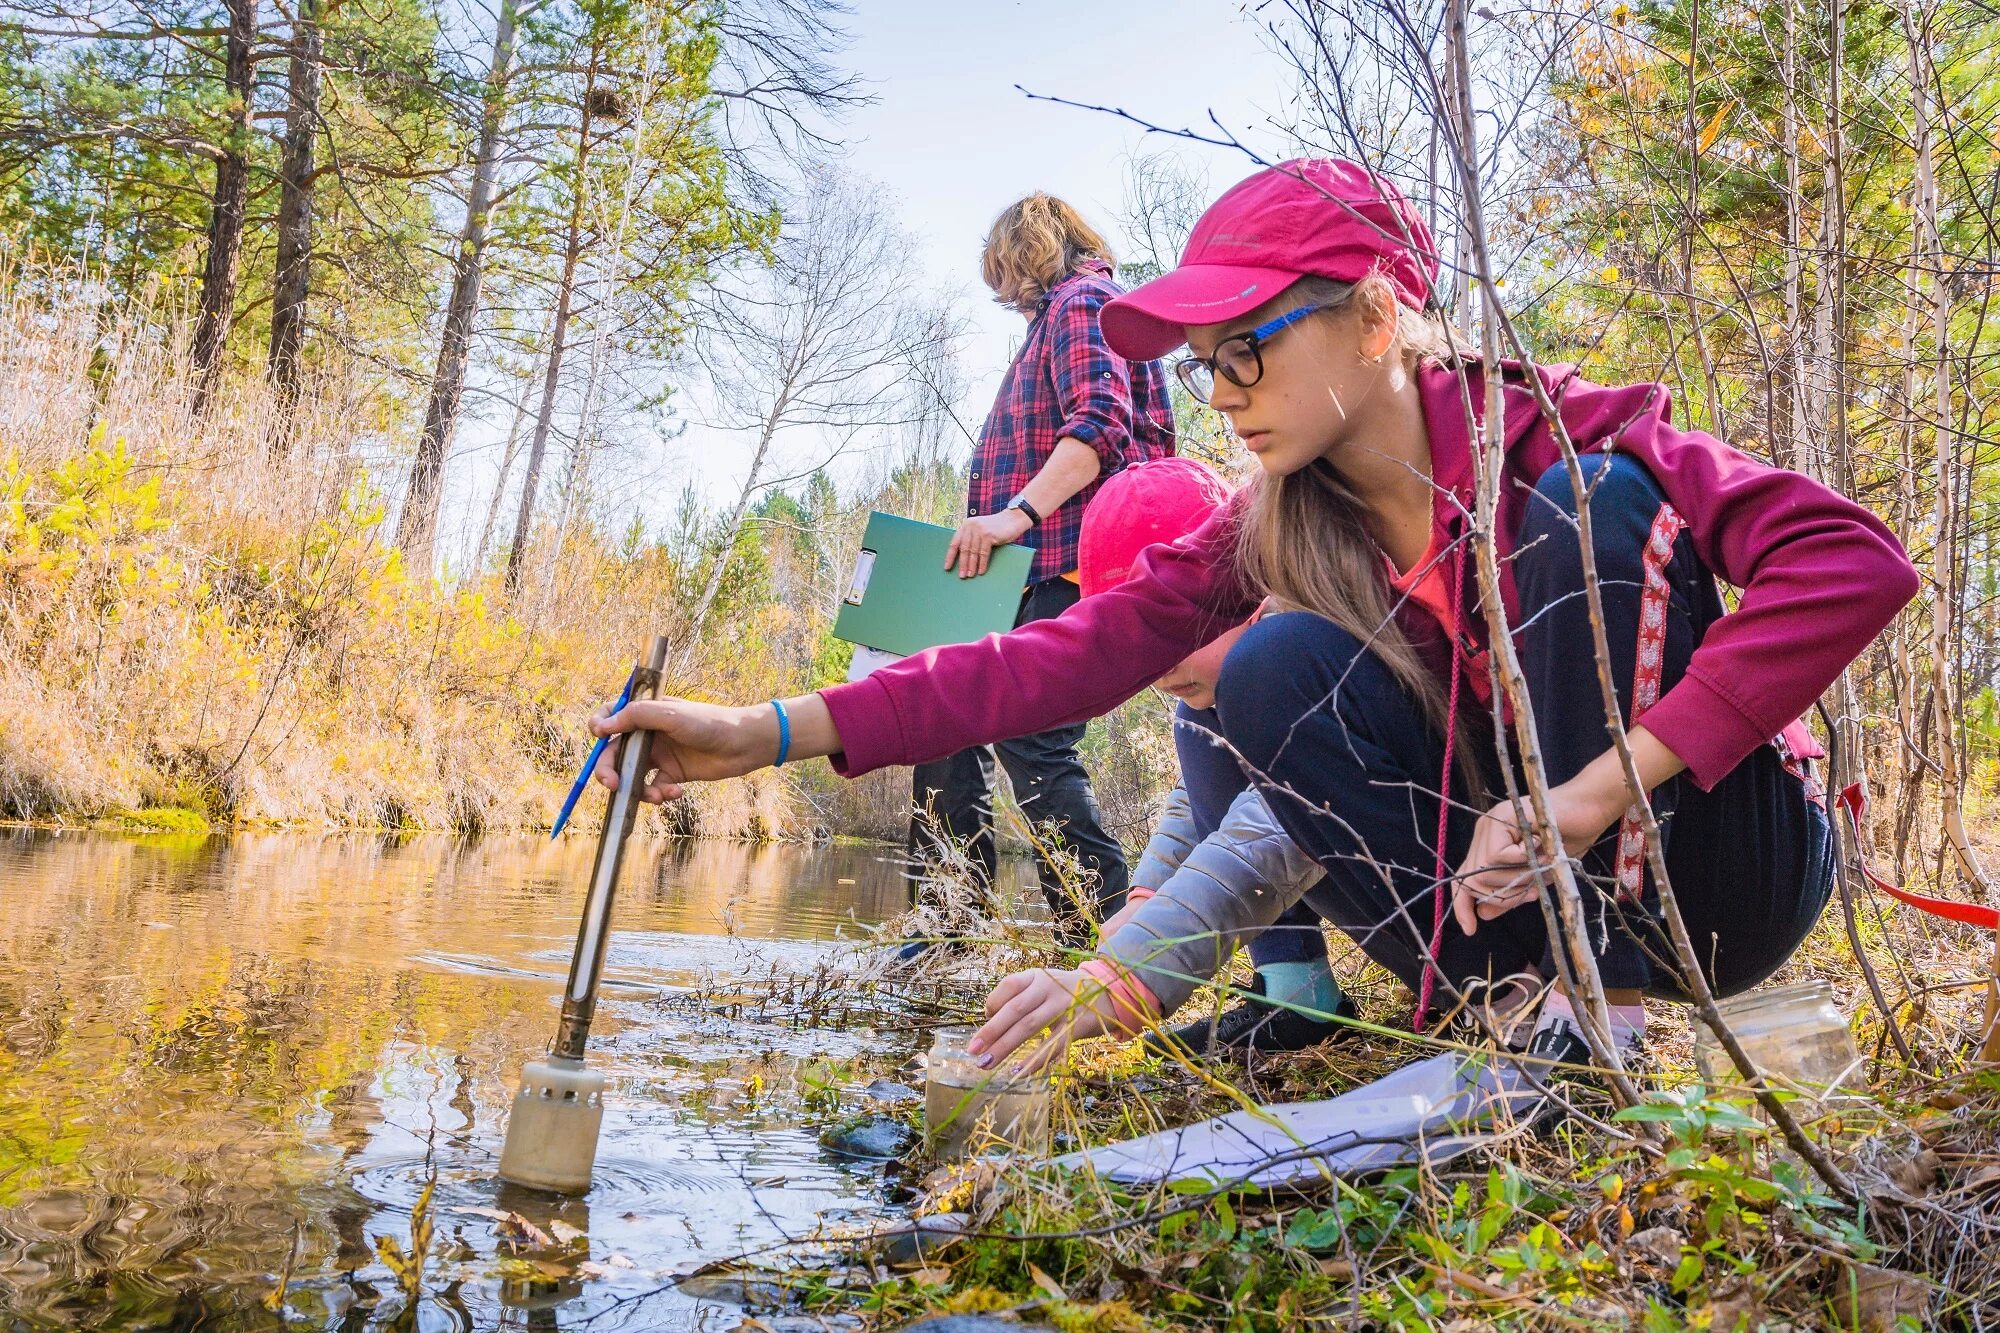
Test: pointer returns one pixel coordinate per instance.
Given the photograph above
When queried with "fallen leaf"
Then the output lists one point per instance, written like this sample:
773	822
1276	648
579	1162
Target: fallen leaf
620	1261
497	1214
591	1270
1877	1300
932	1277
1730	1309
516	1227
1340	1270
1658	1245
566	1233
1047	1283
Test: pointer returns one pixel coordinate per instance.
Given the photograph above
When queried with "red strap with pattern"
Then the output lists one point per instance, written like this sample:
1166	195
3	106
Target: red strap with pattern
1951	909
1647	666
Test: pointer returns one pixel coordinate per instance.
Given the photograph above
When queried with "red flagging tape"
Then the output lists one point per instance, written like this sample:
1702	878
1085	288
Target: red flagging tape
1951	909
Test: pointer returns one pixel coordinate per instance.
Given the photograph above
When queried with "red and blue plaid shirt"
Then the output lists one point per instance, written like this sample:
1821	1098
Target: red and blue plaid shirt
1065	383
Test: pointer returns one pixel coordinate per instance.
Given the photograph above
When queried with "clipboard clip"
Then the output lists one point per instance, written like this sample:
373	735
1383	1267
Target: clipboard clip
864	569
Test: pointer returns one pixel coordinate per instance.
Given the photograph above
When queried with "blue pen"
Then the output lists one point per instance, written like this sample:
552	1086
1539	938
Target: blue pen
583	778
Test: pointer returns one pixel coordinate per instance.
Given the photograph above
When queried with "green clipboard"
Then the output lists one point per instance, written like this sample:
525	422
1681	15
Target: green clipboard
903	600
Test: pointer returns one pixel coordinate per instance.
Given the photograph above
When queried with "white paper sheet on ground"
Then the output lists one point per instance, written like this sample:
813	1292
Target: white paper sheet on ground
1429	1111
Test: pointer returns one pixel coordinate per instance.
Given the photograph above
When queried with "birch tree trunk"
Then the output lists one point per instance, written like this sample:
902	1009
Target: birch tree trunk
1789	445
507	458
417	530
712	586
1697	320
558	336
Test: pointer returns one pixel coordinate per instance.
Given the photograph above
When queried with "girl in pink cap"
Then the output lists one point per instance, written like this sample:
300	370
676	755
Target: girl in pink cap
1360	711
1219	870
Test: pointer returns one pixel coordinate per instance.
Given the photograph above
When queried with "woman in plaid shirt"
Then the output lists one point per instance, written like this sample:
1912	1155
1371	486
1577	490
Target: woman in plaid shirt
1069	413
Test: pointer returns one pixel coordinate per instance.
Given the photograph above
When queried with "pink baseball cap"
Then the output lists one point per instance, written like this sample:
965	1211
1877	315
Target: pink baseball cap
1159	500
1314	216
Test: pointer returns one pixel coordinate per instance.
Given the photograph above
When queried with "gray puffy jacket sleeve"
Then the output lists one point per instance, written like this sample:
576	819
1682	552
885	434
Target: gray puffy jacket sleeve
1173	838
1238	880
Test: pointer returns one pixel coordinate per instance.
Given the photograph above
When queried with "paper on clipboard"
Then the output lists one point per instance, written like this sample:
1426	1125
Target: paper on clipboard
868	660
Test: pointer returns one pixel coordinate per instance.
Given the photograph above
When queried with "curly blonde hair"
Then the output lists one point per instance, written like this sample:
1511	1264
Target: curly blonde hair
1036	243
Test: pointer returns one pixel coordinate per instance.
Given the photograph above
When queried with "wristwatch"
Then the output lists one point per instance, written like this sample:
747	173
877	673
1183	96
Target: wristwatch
1020	502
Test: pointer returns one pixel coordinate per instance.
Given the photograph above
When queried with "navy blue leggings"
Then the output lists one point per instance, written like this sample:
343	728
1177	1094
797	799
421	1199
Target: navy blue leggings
1214	780
1351	768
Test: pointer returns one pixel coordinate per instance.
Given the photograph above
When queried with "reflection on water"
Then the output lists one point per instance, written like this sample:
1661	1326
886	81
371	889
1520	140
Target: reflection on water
218	1054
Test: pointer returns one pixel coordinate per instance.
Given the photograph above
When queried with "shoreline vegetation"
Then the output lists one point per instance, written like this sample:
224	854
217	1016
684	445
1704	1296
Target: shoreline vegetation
196	631
192	623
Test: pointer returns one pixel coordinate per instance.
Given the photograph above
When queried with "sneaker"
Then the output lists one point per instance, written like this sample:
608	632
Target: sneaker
1249	1025
1506	1008
1558	1053
1559	1044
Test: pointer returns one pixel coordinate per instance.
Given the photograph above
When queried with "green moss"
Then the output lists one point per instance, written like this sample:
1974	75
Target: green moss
156	819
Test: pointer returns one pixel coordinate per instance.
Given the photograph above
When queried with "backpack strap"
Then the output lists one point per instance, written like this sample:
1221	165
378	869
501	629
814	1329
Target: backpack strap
1950	909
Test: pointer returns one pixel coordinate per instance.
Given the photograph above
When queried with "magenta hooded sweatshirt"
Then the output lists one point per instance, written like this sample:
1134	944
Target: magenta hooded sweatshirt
1820	577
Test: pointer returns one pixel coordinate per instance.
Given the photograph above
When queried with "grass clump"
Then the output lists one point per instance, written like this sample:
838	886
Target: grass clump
170	819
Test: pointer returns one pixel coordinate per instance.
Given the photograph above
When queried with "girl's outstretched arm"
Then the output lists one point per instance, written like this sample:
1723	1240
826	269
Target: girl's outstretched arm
1048	673
696	742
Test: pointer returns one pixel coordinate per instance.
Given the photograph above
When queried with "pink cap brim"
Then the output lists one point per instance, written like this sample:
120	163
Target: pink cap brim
1152	319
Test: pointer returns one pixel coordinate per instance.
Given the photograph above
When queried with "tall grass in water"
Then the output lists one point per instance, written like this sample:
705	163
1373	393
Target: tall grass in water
189	618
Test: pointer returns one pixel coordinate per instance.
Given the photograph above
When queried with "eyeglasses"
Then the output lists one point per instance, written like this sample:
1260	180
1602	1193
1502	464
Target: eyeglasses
1238	359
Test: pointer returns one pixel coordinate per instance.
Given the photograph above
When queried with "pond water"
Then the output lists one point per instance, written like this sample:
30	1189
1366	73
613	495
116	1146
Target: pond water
223	1055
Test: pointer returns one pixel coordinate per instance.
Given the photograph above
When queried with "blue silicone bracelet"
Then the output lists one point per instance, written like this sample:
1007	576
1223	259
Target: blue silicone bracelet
784	733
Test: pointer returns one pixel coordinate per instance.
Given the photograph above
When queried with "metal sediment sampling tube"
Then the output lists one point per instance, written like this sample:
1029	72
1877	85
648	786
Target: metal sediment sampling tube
586	966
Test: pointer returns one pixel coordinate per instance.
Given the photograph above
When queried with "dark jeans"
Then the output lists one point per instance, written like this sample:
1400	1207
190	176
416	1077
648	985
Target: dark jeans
1351	768
1214	780
1052	788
